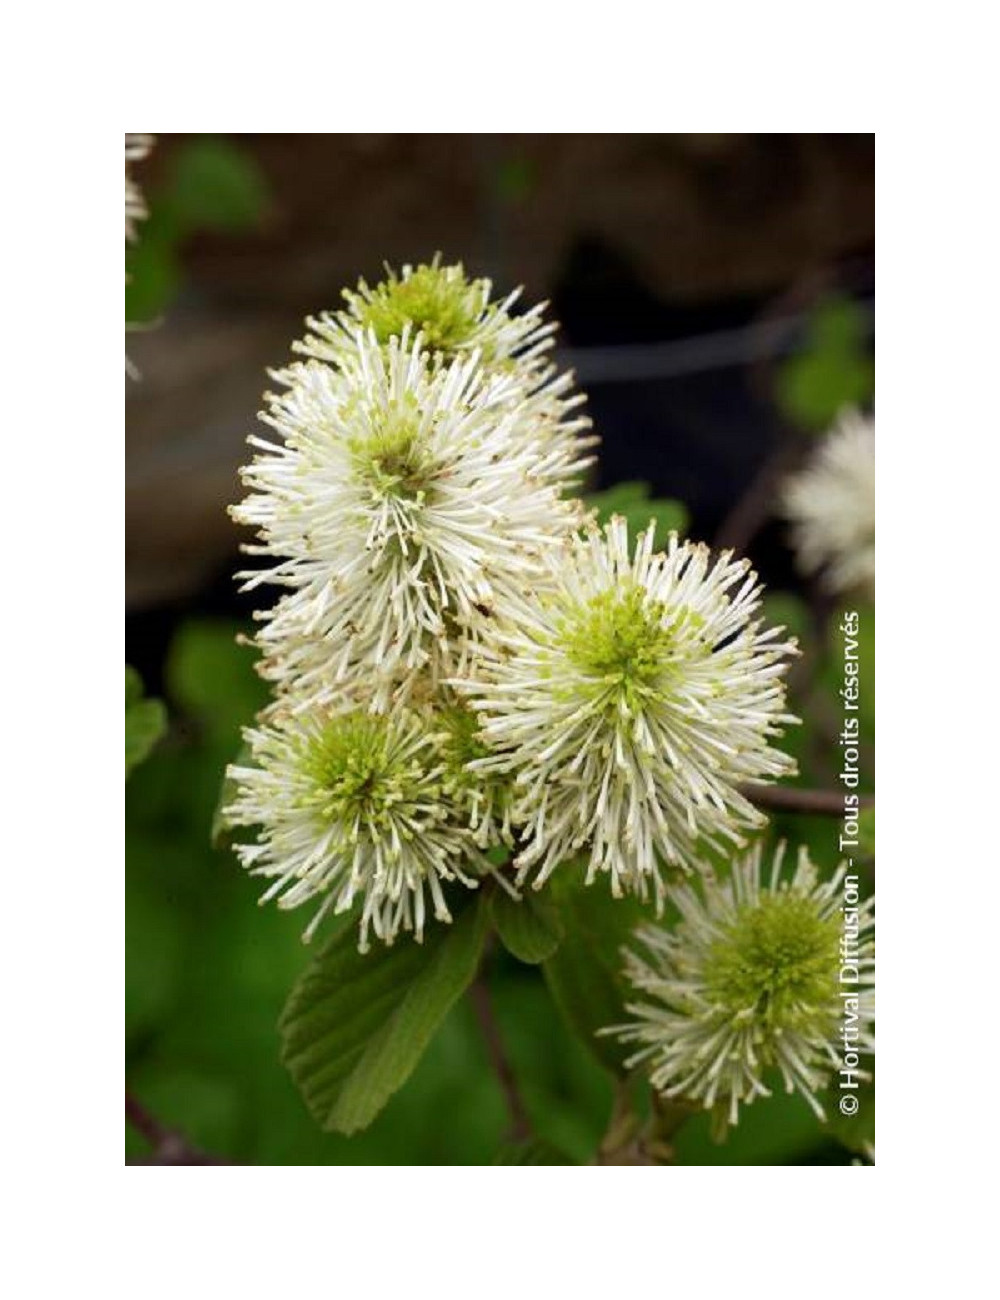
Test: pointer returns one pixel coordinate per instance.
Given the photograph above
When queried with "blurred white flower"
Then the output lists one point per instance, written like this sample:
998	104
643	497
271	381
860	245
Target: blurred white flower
136	148
749	981
405	505
356	805
629	698
831	504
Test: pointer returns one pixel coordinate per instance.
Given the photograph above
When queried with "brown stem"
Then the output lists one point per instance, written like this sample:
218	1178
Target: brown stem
632	1141
758	502
169	1146
520	1124
785	798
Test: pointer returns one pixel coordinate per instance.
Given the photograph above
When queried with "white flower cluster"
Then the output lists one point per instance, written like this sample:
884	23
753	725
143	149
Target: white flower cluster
460	658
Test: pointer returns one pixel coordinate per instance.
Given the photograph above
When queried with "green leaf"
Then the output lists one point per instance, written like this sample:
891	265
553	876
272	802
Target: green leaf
216	186
145	721
814	390
838	325
153	269
535	1151
133	687
212	677
356	1024
530	929
633	501
585	973
617	499
834	369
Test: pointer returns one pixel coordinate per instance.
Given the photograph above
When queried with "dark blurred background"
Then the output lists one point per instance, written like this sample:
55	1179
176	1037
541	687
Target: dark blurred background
715	294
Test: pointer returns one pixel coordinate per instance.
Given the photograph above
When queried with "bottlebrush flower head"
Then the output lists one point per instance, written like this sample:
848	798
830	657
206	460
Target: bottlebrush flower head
405	504
452	312
749	982
352	805
629	697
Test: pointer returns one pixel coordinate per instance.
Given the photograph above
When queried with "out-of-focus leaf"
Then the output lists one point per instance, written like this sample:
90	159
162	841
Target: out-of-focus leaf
216	185
835	368
213	678
356	1024
145	721
213	185
838	325
585	973
634	502
133	687
530	929
153	269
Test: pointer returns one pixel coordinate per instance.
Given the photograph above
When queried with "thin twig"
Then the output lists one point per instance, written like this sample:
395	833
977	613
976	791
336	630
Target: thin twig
169	1146
520	1124
785	798
758	503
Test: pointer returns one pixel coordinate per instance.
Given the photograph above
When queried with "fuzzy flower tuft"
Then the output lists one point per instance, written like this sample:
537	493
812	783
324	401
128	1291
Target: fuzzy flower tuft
629	698
831	505
136	148
351	805
453	313
747	983
404	504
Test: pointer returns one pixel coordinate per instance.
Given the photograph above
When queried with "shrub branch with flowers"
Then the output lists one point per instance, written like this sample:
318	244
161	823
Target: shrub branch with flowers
494	718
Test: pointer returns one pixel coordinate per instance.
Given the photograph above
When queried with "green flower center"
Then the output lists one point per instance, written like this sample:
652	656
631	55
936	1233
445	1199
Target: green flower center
625	641
357	770
777	961
438	300
392	456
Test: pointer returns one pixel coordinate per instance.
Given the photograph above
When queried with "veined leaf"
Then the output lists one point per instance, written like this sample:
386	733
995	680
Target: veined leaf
356	1024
